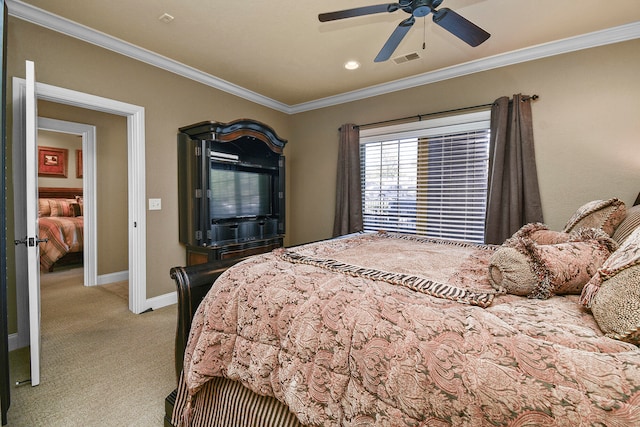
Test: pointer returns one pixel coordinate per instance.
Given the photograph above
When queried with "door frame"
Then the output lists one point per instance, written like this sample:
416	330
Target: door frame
90	244
136	183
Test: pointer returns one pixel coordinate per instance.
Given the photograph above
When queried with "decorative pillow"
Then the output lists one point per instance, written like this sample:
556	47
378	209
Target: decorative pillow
613	293
76	208
61	207
628	225
540	234
44	209
603	214
522	267
80	201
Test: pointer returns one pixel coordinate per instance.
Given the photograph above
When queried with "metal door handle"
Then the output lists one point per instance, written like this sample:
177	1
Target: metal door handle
21	242
30	241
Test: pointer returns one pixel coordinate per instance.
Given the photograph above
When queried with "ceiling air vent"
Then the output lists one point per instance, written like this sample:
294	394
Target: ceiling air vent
406	58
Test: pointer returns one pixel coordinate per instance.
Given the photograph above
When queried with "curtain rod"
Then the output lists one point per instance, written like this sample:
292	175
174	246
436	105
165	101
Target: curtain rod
419	117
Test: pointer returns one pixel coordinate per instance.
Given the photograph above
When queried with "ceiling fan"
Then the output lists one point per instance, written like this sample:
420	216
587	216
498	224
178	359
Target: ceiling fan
460	27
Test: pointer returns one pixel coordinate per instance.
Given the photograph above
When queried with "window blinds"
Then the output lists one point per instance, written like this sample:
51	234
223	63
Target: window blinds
433	183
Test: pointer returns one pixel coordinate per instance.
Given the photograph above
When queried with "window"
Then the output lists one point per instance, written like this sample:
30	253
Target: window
427	178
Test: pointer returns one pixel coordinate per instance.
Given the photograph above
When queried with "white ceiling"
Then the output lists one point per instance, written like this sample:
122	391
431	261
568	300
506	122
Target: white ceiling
277	51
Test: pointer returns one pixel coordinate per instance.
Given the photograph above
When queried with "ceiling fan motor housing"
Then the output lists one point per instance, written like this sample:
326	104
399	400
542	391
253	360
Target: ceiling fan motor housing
420	8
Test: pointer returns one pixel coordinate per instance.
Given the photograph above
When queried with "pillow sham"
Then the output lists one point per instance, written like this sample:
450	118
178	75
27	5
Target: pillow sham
62	207
628	224
80	201
44	209
603	214
522	267
613	293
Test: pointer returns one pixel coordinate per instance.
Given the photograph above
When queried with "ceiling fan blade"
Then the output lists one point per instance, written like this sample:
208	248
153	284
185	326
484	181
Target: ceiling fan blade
394	40
460	27
358	11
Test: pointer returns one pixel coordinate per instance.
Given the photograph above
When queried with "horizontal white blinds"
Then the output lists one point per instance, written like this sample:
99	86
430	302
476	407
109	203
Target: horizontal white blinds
389	185
434	186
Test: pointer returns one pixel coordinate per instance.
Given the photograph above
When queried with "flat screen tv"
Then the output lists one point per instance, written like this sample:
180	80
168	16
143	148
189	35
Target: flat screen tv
240	194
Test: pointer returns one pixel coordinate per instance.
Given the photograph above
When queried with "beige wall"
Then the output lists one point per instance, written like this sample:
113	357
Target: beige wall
585	124
71	143
586	127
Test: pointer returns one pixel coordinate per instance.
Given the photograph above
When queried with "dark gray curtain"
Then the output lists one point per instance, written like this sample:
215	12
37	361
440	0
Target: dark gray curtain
348	214
514	197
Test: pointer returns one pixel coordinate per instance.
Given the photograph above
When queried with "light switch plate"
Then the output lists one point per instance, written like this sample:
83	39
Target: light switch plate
155	204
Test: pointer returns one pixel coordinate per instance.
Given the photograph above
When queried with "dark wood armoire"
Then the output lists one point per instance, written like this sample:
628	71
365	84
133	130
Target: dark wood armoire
231	183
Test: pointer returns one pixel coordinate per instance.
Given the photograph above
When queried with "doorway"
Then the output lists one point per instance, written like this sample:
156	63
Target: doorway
88	184
136	187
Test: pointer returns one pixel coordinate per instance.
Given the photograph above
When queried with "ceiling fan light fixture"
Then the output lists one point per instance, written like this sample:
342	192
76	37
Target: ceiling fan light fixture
352	65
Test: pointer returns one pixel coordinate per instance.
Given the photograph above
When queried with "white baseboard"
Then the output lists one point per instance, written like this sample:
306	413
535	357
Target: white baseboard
13	342
162	300
118	276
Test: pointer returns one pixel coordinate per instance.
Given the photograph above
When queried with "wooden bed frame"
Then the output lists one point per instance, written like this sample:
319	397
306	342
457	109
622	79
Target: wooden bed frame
72	258
59	192
192	285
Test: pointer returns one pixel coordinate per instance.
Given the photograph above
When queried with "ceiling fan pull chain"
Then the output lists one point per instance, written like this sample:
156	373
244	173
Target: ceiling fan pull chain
424	32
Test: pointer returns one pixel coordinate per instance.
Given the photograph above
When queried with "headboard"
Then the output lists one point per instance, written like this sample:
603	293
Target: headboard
59	193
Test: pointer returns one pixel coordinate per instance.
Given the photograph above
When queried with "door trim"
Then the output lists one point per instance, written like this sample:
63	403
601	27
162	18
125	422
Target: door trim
88	134
136	176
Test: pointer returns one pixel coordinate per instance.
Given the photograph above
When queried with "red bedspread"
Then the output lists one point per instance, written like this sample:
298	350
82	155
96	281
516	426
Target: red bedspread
65	235
338	332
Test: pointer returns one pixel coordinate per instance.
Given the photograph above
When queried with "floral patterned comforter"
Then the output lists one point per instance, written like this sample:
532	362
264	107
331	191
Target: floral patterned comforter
330	330
64	234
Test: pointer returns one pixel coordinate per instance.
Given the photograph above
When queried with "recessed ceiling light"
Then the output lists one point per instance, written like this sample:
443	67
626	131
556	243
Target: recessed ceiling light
352	65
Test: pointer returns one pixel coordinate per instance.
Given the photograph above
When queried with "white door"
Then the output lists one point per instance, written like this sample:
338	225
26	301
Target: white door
31	194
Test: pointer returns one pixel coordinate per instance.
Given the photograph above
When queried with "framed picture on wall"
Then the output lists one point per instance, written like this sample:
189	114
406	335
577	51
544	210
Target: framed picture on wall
52	162
78	163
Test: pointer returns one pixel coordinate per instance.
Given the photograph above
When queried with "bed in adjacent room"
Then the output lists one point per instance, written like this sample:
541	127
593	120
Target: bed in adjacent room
61	223
400	330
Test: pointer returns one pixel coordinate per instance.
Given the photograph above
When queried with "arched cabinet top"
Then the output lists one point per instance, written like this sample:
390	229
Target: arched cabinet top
237	129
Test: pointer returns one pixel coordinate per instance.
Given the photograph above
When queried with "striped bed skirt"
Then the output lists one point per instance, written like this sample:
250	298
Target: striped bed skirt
226	403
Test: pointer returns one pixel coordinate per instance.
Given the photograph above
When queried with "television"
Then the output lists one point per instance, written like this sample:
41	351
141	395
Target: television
239	193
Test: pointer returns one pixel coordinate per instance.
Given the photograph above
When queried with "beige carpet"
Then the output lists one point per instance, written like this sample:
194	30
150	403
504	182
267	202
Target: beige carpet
101	364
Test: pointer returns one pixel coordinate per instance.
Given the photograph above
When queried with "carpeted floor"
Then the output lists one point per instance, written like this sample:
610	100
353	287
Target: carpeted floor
101	365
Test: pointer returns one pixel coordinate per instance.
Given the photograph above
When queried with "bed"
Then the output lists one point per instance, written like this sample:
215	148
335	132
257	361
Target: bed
61	224
388	329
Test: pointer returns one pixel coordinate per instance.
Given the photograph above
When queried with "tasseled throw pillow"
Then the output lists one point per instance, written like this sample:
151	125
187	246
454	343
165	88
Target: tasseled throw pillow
539	233
522	267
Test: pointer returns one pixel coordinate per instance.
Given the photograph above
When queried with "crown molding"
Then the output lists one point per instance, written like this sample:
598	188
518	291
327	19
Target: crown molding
56	23
572	44
70	28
